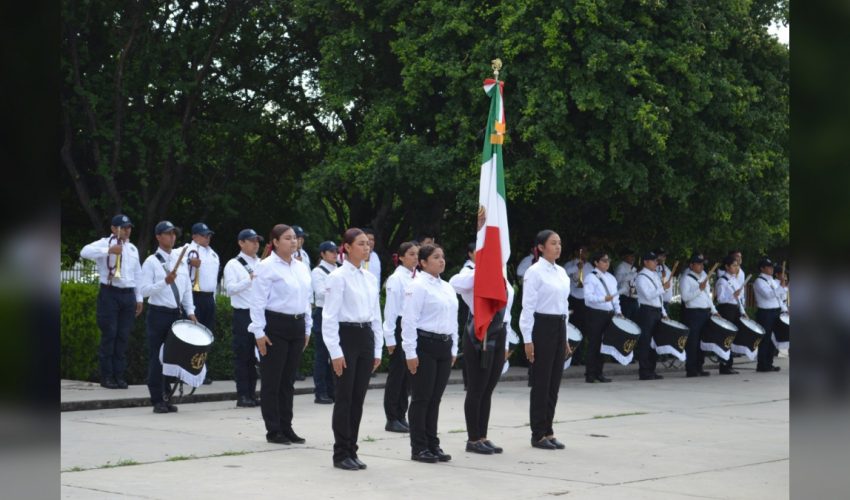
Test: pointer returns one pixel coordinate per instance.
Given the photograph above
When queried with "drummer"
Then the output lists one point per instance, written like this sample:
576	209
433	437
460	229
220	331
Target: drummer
603	302
730	301
169	293
698	307
650	312
770	305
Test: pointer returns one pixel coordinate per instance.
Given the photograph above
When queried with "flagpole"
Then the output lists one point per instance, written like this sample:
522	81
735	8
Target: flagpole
496	65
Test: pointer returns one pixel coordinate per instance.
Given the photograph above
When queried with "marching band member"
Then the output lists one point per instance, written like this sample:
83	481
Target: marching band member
323	376
730	302
603	302
650	312
206	265
665	275
239	274
625	273
280	322
398	380
770	305
351	327
166	285
543	323
119	300
429	339
698	308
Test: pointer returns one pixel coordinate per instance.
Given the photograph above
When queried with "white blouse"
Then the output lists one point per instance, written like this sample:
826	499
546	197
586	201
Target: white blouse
282	287
546	290
351	296
430	304
396	284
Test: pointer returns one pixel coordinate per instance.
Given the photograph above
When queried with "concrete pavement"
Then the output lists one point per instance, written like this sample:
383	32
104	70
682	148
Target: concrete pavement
714	437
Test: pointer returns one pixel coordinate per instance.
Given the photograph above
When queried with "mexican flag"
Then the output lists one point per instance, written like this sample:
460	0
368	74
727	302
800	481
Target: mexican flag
492	247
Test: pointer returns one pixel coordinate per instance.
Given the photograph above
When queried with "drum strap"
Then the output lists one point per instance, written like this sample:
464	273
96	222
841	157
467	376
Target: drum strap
599	277
173	285
245	264
324	270
660	298
772	287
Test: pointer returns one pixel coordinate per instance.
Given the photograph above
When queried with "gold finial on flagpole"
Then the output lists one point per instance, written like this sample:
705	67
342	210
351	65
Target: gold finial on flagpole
496	64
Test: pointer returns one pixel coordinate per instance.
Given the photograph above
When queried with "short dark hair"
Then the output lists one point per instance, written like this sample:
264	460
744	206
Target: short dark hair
729	260
368	230
596	257
543	236
470	248
426	251
404	247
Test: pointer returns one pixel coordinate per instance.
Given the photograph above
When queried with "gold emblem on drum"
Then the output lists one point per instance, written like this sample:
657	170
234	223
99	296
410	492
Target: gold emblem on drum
682	341
727	342
198	360
629	345
756	344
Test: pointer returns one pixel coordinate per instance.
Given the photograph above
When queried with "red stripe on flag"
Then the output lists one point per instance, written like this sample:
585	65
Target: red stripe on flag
489	293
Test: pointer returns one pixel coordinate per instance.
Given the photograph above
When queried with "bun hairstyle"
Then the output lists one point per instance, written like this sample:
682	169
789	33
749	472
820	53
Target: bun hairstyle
540	240
276	233
596	257
426	251
349	236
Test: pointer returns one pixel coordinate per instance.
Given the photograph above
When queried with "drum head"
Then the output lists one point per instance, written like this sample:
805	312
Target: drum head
573	333
752	325
626	325
724	323
674	324
192	333
785	318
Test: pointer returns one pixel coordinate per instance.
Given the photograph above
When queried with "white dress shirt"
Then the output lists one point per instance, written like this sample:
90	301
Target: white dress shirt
159	292
782	291
725	289
649	289
237	281
303	256
210	264
595	292
131	269
668	294
320	275
545	290
396	285
464	282
523	266
625	275
282	287
373	265
430	304
767	294
352	296
571	268
738	280
692	296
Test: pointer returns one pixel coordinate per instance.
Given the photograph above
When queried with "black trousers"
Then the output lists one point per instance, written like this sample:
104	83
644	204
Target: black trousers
549	338
116	312
767	318
277	370
696	320
629	306
205	312
578	317
647	319
480	384
323	372
159	321
428	384
244	361
398	381
358	348
595	322
729	312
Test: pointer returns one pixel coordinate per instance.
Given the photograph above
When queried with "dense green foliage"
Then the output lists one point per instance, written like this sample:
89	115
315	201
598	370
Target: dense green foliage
637	123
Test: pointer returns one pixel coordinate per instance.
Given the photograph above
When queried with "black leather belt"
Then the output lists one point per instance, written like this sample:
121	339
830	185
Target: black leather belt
164	309
116	288
698	308
550	316
350	324
425	334
772	309
651	307
201	293
284	315
240	309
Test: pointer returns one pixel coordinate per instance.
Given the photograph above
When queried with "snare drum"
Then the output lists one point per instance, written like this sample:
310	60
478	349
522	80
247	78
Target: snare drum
619	339
574	338
184	353
781	336
748	339
717	337
670	338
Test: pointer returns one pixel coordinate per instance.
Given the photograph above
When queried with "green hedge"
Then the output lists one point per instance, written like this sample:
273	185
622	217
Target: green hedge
80	338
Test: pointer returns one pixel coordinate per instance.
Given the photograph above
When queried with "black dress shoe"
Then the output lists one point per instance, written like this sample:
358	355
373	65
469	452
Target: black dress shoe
109	383
489	444
300	376
360	464
323	400
651	376
277	438
703	373
395	426
543	444
425	456
603	379
657	376
405	423
160	407
768	369
441	455
295	438
347	464
480	448
691	374
207	381
171	407
121	383
590	380
245	402
728	371
559	445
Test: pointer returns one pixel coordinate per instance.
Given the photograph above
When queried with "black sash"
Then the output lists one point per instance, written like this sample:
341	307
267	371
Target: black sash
245	264
173	284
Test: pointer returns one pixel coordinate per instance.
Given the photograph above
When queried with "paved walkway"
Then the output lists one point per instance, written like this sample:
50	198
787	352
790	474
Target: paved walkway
715	437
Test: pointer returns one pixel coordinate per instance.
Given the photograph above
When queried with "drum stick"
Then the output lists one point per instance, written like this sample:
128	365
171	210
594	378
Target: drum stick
711	271
673	271
180	259
745	282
